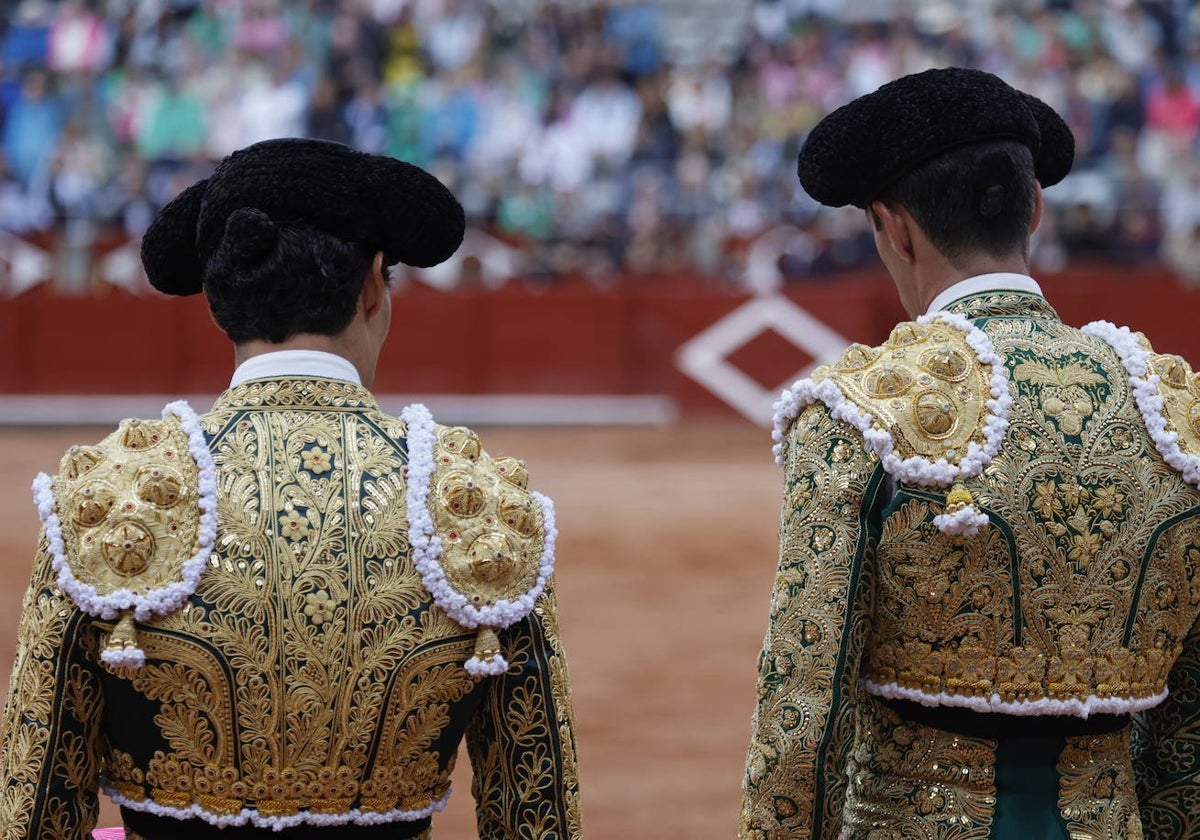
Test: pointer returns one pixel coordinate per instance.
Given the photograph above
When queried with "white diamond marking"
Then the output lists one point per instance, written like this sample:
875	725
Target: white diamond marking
704	357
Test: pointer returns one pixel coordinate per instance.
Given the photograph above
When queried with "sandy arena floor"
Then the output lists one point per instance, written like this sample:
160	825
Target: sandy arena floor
665	559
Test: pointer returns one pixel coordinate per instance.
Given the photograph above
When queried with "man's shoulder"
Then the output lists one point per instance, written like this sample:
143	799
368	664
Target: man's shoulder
927	401
1166	391
483	542
130	520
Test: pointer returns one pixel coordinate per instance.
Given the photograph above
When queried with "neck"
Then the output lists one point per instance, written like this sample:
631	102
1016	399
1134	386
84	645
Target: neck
931	280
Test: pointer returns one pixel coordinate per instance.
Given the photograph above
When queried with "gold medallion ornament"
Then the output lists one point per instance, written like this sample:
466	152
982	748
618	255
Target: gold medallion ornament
483	543
131	522
932	403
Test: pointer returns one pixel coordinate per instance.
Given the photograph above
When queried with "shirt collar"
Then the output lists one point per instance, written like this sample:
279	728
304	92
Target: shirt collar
315	363
984	283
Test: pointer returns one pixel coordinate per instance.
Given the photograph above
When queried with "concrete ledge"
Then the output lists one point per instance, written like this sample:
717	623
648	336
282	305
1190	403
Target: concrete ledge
466	409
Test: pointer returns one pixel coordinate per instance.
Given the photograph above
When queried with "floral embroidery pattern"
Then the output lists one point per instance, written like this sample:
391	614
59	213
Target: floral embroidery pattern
316	460
294	526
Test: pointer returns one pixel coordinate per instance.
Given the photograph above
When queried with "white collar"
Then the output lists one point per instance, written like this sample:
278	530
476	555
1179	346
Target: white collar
984	283
295	363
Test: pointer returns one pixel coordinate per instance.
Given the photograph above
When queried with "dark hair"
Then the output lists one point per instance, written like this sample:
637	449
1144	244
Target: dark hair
270	281
973	199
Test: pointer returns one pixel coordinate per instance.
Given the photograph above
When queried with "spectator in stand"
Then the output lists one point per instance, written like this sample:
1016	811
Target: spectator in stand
31	127
79	40
81	165
605	116
22	210
27	39
175	127
1172	124
530	101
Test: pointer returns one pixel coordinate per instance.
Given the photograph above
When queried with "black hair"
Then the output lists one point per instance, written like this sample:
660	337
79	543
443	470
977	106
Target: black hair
270	281
974	199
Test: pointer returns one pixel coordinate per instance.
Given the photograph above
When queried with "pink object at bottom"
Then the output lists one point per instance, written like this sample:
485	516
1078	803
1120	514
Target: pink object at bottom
108	834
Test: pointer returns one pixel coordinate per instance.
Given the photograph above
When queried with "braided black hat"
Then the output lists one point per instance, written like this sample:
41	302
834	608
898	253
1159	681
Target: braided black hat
862	148
381	203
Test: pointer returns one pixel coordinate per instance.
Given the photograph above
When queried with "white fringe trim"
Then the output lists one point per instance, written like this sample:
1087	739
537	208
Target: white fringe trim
250	816
427	546
965	522
158	601
1091	705
1145	391
129	657
493	667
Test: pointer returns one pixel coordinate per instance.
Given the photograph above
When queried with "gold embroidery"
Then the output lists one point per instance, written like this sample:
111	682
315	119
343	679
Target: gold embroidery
129	507
1180	390
803	722
1096	793
1043	604
491	528
1083	586
913	781
311	671
525	731
1166	763
925	385
52	718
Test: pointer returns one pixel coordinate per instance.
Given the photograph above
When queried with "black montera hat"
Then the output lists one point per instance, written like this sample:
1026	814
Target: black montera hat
381	203
862	148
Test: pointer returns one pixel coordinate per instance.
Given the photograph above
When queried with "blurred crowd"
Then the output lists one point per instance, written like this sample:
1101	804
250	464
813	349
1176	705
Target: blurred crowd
592	138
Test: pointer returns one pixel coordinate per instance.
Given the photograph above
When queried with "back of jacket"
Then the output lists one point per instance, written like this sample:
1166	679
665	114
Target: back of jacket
336	648
990	531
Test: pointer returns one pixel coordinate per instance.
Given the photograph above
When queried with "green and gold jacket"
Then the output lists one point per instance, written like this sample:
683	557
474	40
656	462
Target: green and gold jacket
994	513
289	612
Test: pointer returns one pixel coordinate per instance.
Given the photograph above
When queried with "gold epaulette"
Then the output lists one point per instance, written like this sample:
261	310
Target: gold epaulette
1179	388
490	546
931	402
130	522
1167	394
925	386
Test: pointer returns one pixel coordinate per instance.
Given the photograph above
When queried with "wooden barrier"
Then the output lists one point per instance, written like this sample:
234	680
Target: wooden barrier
563	339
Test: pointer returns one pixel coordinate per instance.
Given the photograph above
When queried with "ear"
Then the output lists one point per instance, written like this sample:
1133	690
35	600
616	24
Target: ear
897	229
374	291
1036	218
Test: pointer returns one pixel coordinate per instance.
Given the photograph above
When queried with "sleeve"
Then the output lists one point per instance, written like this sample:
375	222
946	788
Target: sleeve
522	739
1166	752
803	724
51	747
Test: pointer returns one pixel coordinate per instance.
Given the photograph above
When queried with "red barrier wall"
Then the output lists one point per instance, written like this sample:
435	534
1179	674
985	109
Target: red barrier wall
566	338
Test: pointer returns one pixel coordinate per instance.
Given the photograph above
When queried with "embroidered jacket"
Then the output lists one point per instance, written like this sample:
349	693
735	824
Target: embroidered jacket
289	612
991	512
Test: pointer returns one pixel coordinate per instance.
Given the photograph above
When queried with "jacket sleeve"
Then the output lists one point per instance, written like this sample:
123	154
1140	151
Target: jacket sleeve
522	739
803	724
52	747
1166	752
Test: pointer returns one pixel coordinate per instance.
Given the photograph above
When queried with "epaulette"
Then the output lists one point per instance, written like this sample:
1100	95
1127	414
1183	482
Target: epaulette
931	402
1167	394
130	523
483	543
